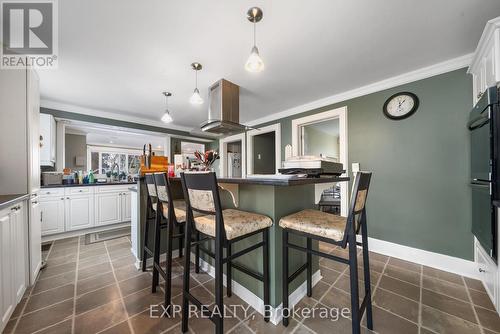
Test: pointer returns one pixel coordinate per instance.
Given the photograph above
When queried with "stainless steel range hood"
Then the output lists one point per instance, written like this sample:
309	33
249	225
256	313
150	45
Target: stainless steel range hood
223	109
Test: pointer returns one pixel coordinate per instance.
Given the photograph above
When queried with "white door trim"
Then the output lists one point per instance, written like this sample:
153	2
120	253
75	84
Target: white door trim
276	128
341	114
222	149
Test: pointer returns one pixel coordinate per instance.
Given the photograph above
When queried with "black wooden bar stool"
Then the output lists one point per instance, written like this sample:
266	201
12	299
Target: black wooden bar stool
322	226
150	213
171	214
226	227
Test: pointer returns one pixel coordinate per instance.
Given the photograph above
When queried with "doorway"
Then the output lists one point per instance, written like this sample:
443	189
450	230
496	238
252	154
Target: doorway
233	156
264	153
264	150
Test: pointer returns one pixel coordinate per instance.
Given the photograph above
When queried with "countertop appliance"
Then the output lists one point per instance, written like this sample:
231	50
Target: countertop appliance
484	127
313	166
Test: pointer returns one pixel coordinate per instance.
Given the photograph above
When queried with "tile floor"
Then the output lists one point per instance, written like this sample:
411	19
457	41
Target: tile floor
97	289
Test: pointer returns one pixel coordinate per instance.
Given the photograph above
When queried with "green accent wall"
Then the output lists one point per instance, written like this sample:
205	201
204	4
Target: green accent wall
419	196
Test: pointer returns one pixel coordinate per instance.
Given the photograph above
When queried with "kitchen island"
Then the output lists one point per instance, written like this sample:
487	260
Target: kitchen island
274	197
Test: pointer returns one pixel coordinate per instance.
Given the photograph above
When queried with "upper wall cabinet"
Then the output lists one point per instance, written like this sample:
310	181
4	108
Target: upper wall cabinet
485	66
47	140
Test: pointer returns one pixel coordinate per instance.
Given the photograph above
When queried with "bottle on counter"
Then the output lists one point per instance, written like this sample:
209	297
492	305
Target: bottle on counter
91	177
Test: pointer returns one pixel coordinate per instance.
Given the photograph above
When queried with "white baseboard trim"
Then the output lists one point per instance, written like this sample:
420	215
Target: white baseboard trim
435	260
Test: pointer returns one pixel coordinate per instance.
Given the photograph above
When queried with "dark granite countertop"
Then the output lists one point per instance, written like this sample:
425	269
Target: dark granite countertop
278	182
8	200
88	184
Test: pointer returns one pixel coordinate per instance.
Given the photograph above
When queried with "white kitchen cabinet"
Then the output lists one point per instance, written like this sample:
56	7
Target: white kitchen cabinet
126	204
79	211
20	248
485	65
66	209
108	208
13	259
47	140
6	268
35	238
52	212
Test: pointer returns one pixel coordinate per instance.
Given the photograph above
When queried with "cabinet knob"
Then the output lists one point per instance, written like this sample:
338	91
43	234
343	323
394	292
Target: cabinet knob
67	197
62	198
481	270
479	95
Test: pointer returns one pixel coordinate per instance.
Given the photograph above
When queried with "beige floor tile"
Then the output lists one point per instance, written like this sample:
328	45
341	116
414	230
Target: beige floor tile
446	288
142	323
444	323
45	317
488	319
97	298
403	274
42	285
100	318
122	328
60	328
49	297
481	299
449	305
404	264
400	287
401	306
436	273
135	284
388	323
94	283
142	300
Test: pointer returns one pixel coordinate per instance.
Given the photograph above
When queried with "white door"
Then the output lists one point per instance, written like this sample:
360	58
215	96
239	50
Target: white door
19	248
46	140
108	208
126	207
79	212
35	240
52	215
6	267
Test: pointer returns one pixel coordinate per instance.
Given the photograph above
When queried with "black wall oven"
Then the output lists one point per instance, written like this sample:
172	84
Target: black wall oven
484	126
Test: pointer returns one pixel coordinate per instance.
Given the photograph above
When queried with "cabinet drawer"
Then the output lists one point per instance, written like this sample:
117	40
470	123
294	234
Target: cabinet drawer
52	192
112	189
78	190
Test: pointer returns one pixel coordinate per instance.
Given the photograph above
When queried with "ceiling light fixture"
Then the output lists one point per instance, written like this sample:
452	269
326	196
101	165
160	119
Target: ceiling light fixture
196	97
254	62
167	118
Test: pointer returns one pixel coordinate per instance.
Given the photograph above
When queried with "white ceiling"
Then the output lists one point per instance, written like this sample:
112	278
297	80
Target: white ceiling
115	137
118	56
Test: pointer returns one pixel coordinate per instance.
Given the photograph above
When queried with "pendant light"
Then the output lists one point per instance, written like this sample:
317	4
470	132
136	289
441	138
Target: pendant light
254	62
166	118
196	97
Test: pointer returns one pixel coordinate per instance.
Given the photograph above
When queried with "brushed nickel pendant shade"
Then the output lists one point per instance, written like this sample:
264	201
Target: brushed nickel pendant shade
196	97
254	63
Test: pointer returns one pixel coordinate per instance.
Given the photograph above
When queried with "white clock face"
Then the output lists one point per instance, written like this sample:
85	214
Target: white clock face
400	105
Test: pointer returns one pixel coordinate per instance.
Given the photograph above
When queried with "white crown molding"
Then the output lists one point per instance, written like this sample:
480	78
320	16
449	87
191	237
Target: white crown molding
490	27
422	73
49	104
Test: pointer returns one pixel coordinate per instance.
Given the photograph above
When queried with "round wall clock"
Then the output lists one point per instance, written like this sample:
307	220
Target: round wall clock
400	105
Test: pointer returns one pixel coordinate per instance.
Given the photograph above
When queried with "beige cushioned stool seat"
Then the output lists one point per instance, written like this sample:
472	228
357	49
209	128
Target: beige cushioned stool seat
236	223
317	223
179	209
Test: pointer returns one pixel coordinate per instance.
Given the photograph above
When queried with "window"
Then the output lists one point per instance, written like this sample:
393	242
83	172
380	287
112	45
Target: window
189	148
111	159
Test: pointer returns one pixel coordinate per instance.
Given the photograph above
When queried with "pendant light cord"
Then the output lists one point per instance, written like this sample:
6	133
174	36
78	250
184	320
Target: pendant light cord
254	33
